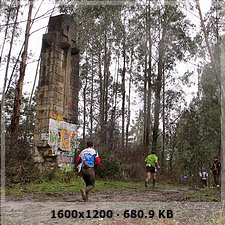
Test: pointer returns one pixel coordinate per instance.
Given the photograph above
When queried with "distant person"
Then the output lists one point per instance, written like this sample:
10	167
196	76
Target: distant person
216	170
204	177
184	179
152	165
88	159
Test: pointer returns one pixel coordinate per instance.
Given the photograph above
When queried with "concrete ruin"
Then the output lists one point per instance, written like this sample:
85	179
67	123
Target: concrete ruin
58	87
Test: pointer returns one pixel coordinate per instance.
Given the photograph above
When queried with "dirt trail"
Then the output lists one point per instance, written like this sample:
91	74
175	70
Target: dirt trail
29	210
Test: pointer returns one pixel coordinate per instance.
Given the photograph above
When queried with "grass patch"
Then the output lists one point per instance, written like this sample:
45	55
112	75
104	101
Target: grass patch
76	184
206	195
16	192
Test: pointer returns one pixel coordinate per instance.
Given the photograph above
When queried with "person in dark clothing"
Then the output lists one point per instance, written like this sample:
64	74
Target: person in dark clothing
88	158
216	170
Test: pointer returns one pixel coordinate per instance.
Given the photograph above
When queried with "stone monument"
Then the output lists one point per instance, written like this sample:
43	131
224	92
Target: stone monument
58	87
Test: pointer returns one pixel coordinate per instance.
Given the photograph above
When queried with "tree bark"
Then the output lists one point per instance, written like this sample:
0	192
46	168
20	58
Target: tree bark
145	92
123	94
129	95
12	40
84	106
19	86
101	101
7	28
158	84
106	84
92	96
113	113
207	43
163	120
3	129
149	79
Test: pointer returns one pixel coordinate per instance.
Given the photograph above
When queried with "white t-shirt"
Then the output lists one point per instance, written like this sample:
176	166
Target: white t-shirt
88	157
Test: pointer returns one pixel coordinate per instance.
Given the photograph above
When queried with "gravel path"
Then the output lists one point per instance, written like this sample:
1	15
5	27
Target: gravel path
32	212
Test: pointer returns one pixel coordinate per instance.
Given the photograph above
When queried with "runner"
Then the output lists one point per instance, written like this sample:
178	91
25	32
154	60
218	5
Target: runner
151	162
88	158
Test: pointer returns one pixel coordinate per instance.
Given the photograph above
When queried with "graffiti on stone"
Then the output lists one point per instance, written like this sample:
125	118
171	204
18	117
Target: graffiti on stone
73	140
62	138
53	140
65	140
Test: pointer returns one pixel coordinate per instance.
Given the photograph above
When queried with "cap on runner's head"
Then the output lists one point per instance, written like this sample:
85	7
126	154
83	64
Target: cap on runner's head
153	152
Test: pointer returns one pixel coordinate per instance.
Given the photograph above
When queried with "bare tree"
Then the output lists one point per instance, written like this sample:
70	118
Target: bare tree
129	99
158	84
92	95
6	30
19	86
207	42
123	91
149	79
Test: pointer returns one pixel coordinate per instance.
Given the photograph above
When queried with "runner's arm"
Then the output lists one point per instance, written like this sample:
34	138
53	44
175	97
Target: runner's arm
157	165
79	160
97	160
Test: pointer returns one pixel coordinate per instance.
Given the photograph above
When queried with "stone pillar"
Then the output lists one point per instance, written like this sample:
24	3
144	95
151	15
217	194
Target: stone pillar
58	87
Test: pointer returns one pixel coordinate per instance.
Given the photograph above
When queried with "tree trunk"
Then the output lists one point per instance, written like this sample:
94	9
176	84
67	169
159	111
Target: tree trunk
145	95
158	84
7	27
101	101
207	44
163	120
114	104
84	111
12	40
19	86
129	94
149	98
92	96
29	104
123	94
106	81
84	98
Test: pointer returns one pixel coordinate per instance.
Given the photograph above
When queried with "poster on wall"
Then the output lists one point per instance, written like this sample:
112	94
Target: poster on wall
53	133
63	140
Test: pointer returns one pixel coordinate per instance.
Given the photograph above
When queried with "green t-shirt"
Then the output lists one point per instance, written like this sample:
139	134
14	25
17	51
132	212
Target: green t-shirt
151	160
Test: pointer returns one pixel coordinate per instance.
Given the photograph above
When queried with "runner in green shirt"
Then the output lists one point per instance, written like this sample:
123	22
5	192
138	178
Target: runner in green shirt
151	163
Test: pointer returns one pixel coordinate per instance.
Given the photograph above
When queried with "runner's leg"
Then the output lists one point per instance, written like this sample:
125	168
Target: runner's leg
154	179
148	177
91	181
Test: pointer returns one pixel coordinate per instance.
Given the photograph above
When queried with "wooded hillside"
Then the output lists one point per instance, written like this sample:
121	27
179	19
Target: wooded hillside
138	63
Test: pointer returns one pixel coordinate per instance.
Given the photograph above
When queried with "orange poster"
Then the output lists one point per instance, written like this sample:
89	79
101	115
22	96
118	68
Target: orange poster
65	139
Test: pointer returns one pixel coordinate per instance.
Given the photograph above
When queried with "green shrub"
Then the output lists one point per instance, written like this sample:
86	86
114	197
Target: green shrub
134	171
111	166
57	174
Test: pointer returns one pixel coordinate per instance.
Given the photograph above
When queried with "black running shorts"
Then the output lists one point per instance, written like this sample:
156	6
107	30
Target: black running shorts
150	169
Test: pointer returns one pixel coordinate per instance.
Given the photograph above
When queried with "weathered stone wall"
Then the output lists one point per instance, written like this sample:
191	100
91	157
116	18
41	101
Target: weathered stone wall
58	88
